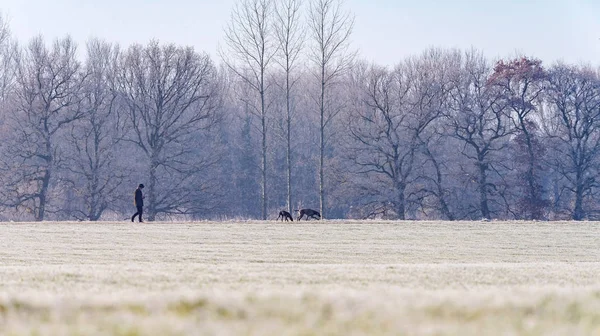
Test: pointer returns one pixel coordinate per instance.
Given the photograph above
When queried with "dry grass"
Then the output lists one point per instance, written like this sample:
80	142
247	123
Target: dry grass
333	278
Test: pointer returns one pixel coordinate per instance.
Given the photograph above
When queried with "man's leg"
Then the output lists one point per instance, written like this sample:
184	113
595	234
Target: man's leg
140	212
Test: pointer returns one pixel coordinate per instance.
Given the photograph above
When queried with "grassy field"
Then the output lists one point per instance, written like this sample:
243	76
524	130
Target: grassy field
329	278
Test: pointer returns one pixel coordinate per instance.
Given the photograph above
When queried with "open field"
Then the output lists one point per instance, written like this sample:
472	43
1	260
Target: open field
333	278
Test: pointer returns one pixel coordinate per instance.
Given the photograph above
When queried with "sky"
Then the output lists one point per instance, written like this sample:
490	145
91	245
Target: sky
385	31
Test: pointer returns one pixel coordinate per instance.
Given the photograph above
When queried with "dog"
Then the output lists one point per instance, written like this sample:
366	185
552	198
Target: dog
309	213
284	214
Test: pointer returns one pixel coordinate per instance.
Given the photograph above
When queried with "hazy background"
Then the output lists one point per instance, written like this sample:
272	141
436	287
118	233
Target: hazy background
385	30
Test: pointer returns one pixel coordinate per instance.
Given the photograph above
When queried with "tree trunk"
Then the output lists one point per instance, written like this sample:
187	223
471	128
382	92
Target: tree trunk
45	179
43	193
151	203
483	200
264	156
532	192
288	156
95	206
440	190
93	209
322	147
400	203
530	176
578	213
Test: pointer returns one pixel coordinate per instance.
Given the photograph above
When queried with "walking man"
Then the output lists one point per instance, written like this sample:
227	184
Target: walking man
138	200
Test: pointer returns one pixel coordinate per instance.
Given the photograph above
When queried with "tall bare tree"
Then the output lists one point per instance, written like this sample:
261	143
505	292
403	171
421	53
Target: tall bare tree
382	144
252	47
521	82
330	28
172	95
93	160
572	121
430	77
478	120
47	100
391	131
288	30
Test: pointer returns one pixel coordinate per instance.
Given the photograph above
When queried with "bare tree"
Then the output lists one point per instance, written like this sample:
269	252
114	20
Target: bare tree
572	121
172	95
47	100
93	162
480	122
251	49
382	145
430	76
521	82
288	30
391	132
330	29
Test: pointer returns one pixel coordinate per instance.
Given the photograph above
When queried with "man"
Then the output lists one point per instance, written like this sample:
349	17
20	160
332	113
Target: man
138	200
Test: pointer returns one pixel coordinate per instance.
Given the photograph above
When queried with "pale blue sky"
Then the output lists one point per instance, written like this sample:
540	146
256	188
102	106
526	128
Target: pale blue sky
385	30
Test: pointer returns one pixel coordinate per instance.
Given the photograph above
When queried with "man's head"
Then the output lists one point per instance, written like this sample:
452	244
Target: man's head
141	186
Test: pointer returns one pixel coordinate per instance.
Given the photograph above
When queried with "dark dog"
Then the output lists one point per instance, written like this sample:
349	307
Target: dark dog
309	213
284	214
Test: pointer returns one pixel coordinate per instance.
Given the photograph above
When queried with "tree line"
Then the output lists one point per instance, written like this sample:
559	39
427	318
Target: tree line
288	117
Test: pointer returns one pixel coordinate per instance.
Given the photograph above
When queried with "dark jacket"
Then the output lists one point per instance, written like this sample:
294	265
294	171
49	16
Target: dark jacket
138	199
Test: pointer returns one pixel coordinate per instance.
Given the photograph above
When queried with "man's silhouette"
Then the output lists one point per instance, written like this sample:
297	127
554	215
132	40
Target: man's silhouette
138	200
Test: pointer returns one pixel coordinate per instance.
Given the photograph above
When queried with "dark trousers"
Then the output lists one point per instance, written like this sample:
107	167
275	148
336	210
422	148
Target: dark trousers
140	211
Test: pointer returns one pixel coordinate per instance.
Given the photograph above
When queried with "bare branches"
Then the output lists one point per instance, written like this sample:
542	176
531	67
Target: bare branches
391	127
250	39
479	120
172	93
330	28
288	30
8	50
93	139
47	98
573	122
